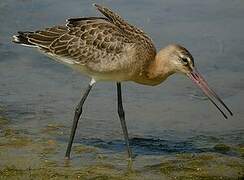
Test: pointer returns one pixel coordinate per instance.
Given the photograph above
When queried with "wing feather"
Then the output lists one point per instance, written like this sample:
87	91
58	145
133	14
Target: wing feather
100	43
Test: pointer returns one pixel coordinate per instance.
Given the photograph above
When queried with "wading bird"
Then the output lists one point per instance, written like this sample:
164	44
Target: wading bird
110	49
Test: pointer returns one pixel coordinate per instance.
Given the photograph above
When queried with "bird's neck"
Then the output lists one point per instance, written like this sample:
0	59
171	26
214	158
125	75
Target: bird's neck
159	69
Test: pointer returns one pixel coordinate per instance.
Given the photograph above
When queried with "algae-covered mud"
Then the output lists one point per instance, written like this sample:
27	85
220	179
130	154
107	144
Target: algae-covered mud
175	133
25	157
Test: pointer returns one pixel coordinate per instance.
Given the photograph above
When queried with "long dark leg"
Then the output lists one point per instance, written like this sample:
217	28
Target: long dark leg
78	112
122	119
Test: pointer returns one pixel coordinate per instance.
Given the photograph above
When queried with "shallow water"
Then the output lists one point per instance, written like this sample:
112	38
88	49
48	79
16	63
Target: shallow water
175	132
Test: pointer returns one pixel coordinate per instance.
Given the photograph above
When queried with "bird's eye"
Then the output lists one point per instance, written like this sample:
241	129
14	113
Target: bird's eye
184	60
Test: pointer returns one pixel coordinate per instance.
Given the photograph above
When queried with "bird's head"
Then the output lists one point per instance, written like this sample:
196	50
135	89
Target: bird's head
177	59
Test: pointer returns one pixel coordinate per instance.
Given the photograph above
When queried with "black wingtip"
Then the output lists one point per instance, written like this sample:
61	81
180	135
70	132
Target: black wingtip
98	6
22	38
94	4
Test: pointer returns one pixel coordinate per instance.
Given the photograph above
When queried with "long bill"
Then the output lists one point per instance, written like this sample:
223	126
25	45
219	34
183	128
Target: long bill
197	78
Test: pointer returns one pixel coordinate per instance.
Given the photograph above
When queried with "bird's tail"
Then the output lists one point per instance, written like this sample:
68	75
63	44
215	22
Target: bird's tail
22	38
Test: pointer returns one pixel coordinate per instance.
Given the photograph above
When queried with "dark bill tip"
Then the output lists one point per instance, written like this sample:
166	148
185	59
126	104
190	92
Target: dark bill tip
196	77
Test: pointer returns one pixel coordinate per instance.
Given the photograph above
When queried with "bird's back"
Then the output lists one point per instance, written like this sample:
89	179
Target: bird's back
100	47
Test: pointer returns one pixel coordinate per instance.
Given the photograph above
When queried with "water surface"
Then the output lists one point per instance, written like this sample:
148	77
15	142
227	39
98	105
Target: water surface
169	123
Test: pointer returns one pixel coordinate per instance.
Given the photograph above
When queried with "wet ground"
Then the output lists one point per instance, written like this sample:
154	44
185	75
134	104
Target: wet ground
175	132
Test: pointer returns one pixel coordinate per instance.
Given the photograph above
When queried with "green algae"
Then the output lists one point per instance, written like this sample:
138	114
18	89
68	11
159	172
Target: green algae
26	158
16	142
170	169
239	149
222	148
53	129
201	166
216	167
41	173
3	121
181	166
49	147
91	173
84	149
11	172
13	138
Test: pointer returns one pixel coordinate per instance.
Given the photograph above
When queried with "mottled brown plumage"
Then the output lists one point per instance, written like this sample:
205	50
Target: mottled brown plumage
109	48
103	48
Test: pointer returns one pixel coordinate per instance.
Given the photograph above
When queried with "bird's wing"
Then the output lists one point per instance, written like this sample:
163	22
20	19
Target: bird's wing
145	48
92	39
41	38
82	40
132	31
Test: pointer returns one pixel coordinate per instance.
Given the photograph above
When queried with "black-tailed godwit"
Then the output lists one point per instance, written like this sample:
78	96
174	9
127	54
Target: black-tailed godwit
110	49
